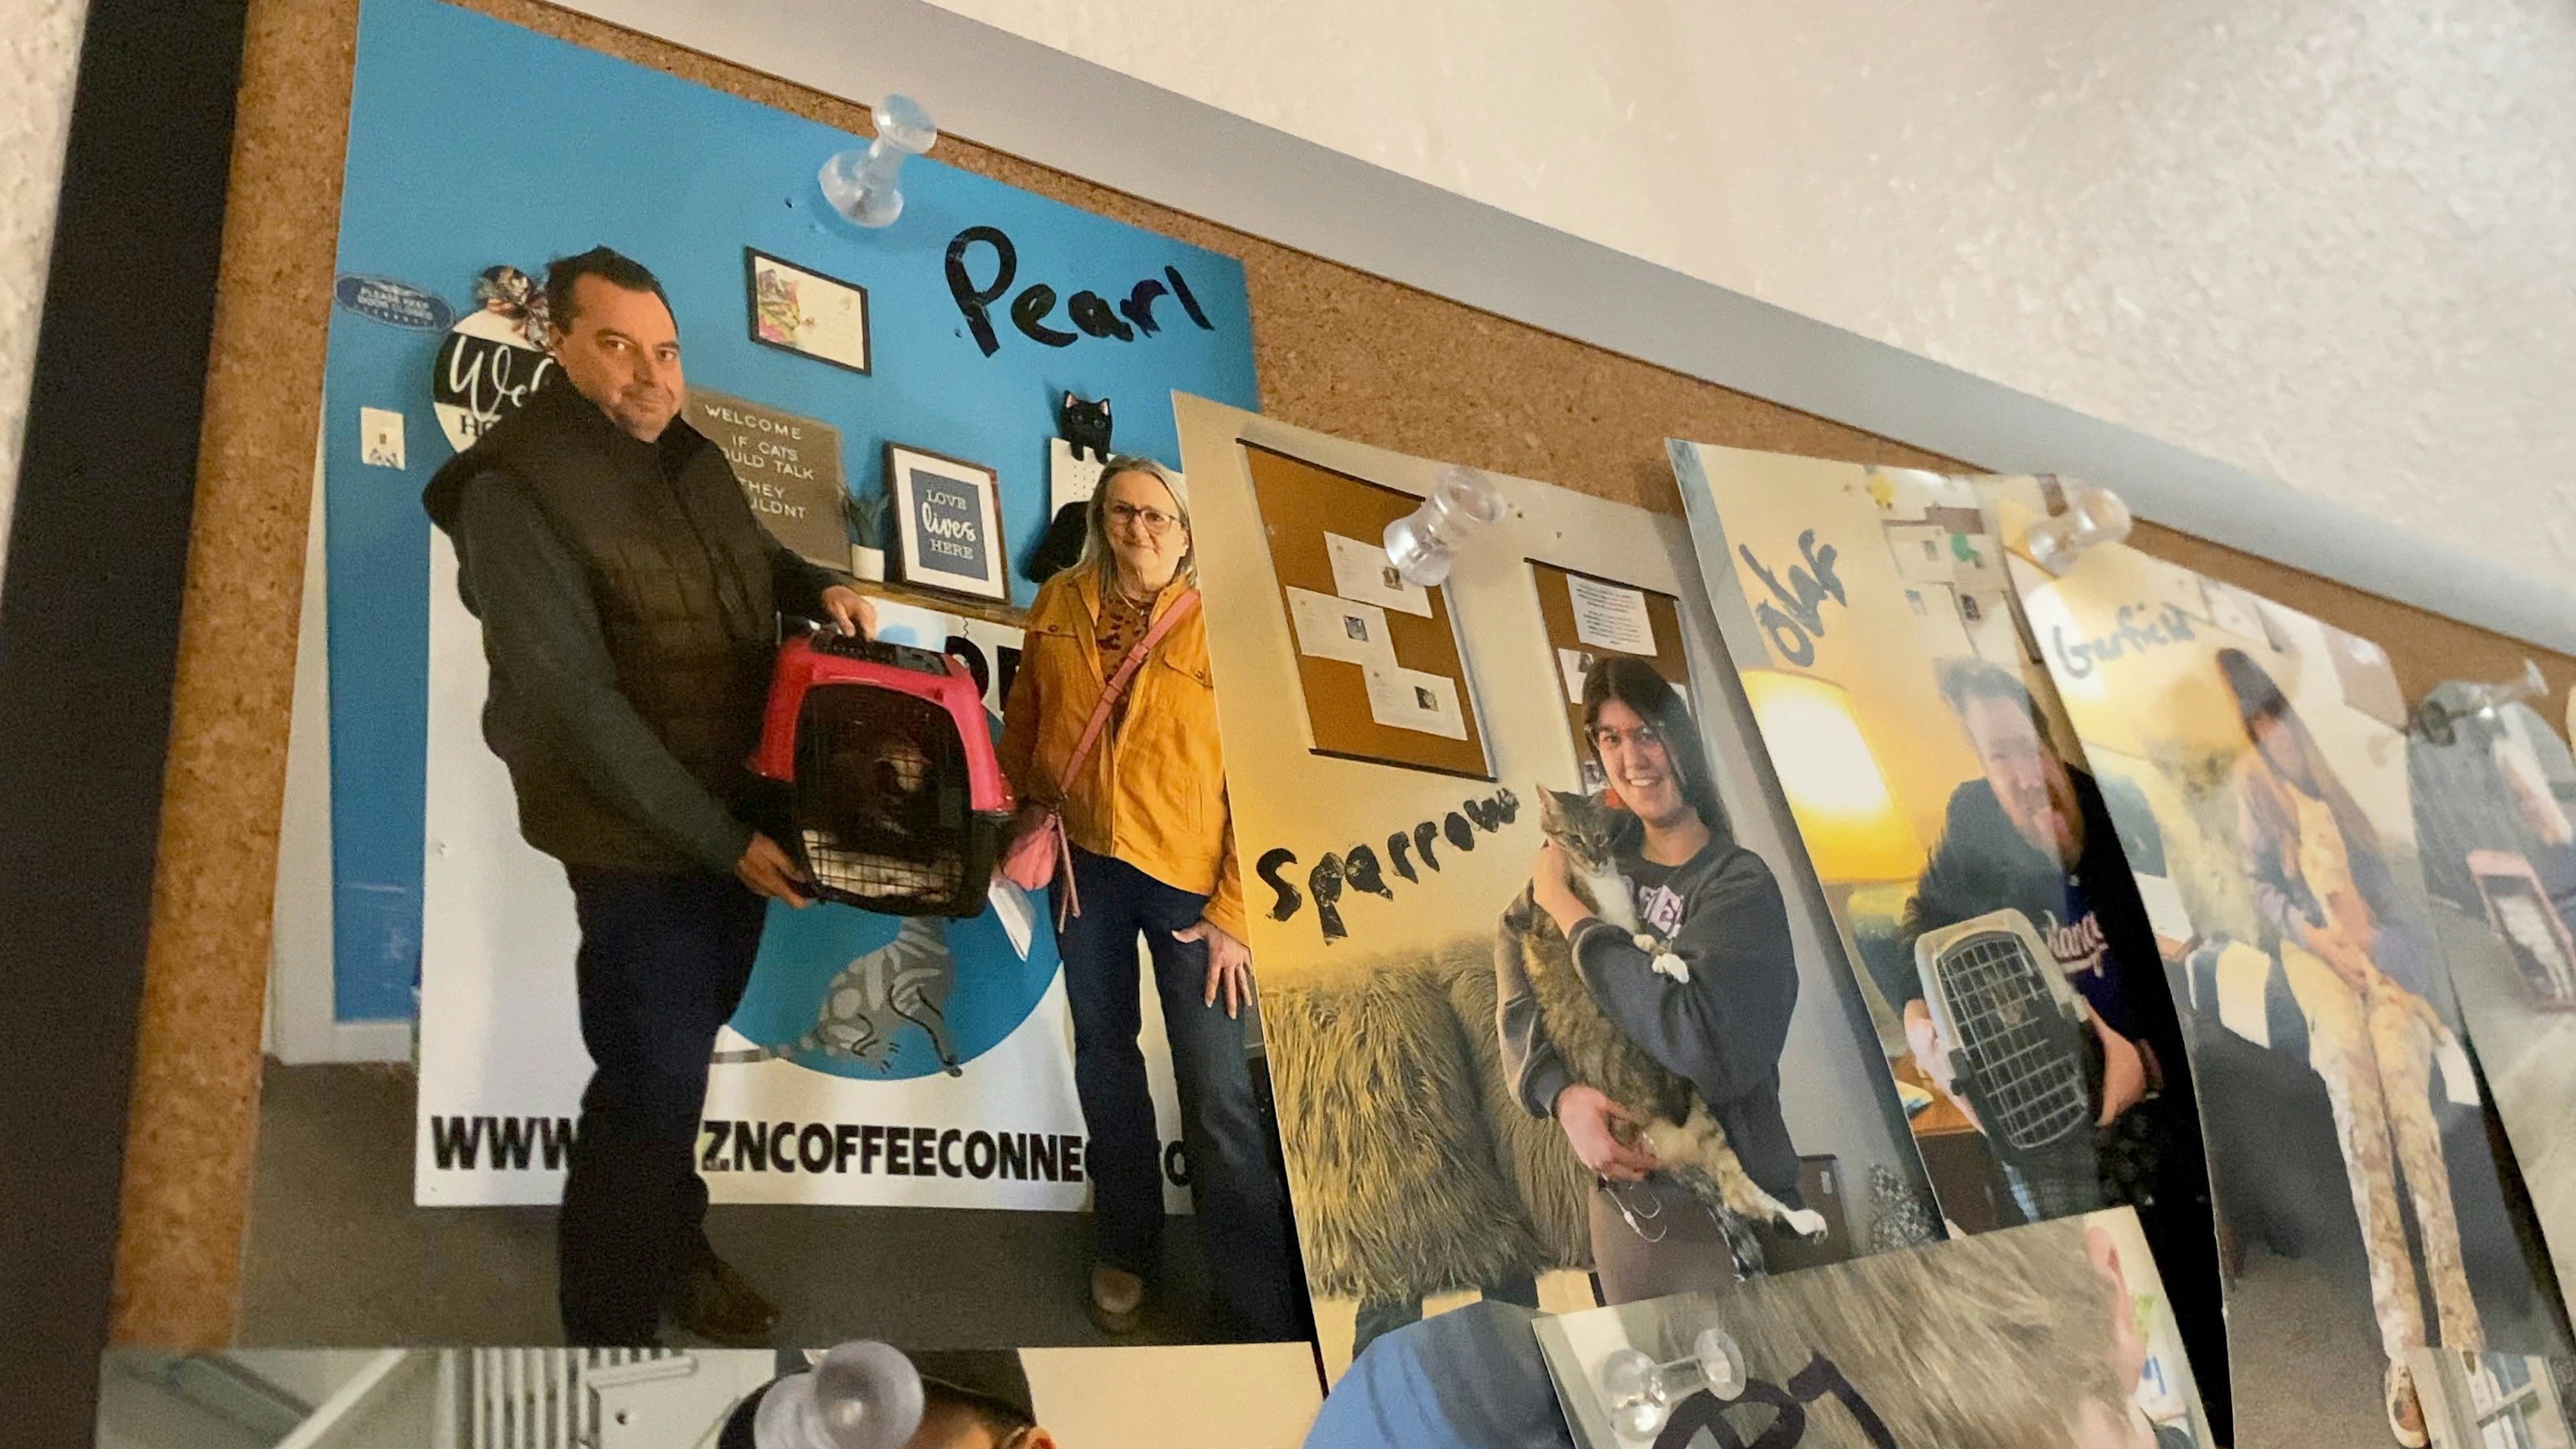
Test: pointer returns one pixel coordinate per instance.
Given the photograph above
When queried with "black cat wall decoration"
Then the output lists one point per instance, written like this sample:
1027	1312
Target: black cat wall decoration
1085	425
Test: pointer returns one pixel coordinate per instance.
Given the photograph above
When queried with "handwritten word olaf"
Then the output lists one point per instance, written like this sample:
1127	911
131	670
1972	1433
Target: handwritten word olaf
1794	617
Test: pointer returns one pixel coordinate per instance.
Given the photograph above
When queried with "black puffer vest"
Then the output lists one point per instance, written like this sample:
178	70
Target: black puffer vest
680	574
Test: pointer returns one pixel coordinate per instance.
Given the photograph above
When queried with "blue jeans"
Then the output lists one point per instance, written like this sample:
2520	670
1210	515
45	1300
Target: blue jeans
1241	1202
663	962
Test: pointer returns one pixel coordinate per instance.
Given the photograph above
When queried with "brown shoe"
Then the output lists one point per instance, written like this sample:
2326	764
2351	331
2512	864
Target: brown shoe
2405	1410
719	1305
1116	1301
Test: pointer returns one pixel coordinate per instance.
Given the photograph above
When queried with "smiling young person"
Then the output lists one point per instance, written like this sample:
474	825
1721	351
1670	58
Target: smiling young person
1722	1024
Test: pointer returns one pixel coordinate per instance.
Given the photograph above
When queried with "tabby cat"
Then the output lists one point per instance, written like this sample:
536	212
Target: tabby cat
1677	1128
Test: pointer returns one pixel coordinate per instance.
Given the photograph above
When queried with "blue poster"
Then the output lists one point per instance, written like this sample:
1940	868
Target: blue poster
479	151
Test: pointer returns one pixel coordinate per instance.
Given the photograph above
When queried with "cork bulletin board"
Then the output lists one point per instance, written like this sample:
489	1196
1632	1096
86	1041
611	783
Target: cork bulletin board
1337	349
1572	645
1383	682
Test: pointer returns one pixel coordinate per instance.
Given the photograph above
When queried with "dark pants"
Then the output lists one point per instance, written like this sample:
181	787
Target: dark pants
1240	1199
662	965
1654	1238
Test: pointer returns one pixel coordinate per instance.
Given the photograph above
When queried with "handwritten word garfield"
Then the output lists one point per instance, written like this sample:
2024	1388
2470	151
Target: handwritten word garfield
2079	656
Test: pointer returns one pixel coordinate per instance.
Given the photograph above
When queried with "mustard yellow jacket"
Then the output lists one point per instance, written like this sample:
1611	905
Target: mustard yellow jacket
1152	792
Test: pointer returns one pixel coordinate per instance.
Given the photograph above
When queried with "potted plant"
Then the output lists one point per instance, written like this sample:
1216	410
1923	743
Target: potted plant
865	514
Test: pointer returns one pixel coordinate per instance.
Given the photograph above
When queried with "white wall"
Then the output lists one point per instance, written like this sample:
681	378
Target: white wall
2326	241
39	44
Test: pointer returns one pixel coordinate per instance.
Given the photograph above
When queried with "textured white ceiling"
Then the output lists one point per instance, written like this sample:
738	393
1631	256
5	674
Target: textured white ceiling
2332	243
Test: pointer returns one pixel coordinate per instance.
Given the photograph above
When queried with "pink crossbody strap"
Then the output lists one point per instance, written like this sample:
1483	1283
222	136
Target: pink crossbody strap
1126	675
1060	847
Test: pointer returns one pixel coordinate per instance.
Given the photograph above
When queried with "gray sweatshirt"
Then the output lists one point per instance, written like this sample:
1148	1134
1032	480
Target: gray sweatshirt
1723	1027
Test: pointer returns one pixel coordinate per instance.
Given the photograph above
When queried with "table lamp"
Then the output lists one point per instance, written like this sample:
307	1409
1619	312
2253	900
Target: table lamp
1853	830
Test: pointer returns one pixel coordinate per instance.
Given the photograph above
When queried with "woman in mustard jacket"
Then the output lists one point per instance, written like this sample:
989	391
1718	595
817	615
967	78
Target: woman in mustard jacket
1151	855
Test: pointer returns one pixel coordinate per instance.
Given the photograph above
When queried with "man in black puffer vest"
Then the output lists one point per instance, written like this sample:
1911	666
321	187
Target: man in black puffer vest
630	604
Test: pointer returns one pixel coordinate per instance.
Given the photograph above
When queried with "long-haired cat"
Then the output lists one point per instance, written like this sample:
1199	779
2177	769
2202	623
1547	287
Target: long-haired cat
1677	1126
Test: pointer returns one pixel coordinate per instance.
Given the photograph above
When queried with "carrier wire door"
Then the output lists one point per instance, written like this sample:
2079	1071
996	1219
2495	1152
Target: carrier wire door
896	795
2022	1053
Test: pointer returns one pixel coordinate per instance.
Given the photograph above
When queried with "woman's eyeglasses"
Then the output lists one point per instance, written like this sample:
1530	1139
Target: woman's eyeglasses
1606	740
1153	520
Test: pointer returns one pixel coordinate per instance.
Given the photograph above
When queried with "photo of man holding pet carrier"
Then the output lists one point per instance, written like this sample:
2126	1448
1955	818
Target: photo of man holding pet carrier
2033	835
1110	742
629	603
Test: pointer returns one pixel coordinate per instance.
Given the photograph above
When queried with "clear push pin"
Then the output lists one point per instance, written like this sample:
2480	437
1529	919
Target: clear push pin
2093	516
1640	1393
861	184
863	1395
1461	504
2529	684
2437	714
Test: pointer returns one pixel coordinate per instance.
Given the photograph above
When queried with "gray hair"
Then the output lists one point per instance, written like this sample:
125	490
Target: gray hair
1996	1340
1097	555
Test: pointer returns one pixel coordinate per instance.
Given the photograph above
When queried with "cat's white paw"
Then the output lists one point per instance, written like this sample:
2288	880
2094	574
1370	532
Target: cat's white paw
1671	965
1806	1223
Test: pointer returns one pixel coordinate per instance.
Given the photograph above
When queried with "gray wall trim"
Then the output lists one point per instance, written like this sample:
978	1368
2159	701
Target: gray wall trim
1024	98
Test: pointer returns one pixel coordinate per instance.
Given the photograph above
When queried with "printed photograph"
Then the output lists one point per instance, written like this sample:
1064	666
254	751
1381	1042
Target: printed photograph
1535	1043
2053	1336
1978	873
2495	810
1256	1396
2361	1207
2496	1400
642	978
805	311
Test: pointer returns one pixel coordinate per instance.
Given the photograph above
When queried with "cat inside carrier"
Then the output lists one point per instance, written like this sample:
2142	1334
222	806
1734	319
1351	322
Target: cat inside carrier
2022	1055
897	798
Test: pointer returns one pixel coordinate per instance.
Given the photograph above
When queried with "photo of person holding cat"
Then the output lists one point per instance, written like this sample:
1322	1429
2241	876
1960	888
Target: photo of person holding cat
1614	1068
1682	955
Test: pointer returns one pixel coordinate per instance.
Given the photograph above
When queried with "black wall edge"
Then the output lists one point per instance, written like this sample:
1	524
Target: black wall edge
89	636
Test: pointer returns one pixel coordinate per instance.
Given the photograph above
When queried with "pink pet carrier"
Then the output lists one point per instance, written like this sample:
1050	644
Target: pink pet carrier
898	800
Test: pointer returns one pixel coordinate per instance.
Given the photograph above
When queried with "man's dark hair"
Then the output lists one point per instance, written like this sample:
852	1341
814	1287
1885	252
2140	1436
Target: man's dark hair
613	267
1634	683
1966	679
998	1419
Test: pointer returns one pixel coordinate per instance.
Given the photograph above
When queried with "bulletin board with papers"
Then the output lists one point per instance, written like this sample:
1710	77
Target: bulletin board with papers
1590	617
1378	657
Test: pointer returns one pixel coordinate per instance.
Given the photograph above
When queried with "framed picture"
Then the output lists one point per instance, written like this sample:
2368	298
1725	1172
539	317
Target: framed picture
947	523
803	311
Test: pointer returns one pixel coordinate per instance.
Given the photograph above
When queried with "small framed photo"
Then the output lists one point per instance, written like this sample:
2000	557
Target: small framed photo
947	523
803	311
